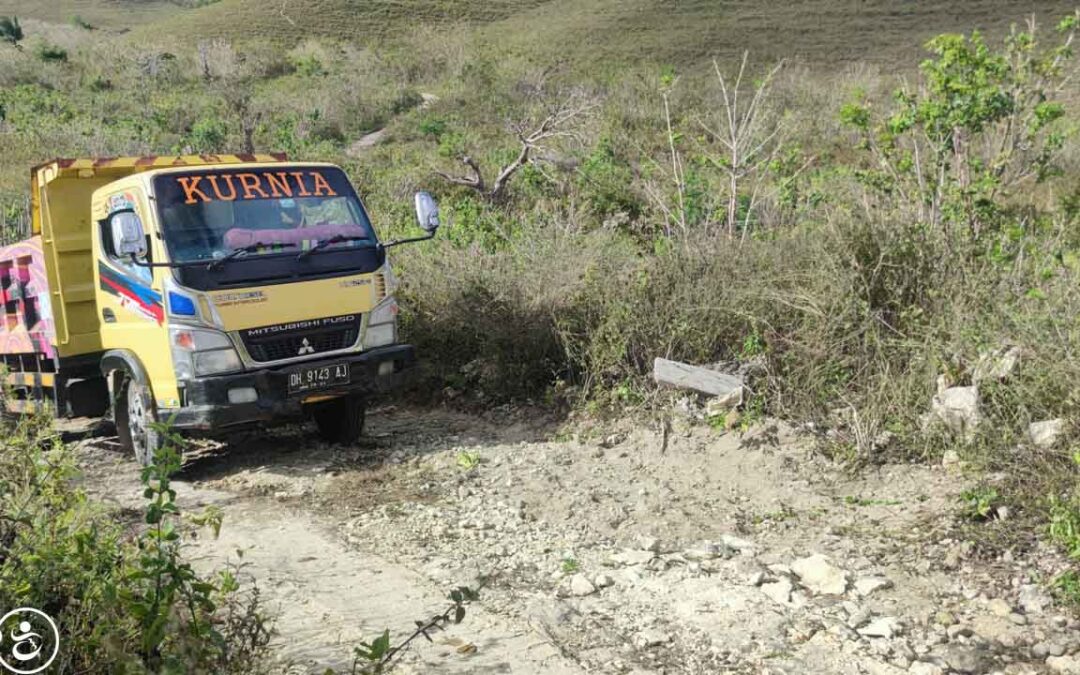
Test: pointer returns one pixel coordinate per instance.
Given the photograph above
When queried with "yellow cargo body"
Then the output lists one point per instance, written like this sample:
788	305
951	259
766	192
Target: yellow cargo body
61	193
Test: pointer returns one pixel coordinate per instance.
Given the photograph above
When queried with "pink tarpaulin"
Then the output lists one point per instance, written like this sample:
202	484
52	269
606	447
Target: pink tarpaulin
27	325
241	238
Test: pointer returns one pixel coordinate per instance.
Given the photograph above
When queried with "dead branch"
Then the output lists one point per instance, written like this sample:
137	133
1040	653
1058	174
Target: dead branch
560	115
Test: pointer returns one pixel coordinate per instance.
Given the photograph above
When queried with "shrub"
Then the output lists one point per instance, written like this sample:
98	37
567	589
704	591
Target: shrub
983	124
50	53
126	601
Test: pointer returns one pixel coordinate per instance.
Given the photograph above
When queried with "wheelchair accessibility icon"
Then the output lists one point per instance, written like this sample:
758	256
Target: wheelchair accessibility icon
29	641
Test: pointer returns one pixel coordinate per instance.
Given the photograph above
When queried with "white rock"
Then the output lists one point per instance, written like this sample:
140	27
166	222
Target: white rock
996	365
652	638
999	607
755	578
648	544
706	550
718	406
924	668
869	585
1045	434
820	576
581	586
858	618
1067	665
882	627
1033	599
957	408
737	543
1053	648
950	458
630	557
779	591
603	581
964	659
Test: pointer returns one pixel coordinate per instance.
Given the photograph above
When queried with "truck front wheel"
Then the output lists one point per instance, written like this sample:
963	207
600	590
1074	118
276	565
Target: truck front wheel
340	420
136	416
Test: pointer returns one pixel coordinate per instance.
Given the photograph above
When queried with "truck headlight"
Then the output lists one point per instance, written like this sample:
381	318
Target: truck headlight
382	325
198	351
380	336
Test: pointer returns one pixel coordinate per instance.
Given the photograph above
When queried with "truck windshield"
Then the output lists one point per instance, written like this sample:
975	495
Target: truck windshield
208	214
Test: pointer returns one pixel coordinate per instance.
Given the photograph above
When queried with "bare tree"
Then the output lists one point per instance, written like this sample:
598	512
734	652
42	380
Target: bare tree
749	135
232	76
556	117
674	213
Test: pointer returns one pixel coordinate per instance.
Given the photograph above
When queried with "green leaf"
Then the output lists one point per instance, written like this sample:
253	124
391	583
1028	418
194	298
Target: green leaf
381	645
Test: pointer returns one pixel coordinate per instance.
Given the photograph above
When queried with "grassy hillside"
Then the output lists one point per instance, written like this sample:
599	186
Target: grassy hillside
112	14
593	32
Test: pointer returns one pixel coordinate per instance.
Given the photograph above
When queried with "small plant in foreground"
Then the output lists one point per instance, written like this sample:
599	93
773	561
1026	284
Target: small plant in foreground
124	595
375	657
570	565
1066	588
1065	525
468	460
979	502
176	608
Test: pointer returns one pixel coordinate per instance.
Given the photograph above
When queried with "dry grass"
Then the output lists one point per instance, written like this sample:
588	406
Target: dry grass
594	33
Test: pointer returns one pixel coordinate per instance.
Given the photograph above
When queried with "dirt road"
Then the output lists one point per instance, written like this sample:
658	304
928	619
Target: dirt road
617	550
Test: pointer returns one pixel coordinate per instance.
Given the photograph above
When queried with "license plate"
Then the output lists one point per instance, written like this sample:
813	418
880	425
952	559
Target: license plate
317	377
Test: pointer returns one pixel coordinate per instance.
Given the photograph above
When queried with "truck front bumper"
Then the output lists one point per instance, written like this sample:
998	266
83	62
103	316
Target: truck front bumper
207	409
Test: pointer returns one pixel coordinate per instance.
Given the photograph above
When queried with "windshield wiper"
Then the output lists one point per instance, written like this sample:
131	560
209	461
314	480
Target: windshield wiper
338	239
233	255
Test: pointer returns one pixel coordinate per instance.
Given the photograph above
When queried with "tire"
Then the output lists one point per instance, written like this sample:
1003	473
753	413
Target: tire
340	420
135	416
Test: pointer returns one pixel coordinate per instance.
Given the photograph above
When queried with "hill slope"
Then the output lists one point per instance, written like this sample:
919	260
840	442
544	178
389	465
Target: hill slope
670	31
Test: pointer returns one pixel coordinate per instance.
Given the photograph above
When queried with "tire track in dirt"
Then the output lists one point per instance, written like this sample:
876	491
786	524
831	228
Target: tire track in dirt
614	551
326	596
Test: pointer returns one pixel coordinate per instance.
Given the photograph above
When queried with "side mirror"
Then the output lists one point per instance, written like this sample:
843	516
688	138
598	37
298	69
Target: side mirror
427	212
128	236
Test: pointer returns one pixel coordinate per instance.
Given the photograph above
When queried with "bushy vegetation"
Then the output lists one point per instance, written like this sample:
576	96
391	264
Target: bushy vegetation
126	598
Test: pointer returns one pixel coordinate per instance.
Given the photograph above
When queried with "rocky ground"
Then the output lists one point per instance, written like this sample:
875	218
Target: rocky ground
618	550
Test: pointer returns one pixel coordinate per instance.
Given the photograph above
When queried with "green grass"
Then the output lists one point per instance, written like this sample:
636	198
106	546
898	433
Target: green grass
592	33
105	14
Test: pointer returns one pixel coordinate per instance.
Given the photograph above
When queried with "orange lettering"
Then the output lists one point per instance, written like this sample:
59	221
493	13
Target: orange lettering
321	184
250	183
279	183
299	176
191	188
217	191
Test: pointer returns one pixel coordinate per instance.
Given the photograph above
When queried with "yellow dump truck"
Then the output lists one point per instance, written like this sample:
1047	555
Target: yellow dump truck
217	292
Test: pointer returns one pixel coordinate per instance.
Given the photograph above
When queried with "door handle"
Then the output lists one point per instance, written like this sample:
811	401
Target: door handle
108	315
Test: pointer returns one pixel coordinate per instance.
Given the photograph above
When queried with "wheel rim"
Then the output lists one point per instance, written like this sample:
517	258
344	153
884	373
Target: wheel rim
137	419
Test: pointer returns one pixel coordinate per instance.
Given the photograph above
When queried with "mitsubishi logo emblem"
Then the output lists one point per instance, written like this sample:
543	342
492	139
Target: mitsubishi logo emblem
305	348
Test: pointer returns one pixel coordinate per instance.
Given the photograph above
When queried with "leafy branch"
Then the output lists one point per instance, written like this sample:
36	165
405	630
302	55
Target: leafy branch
375	657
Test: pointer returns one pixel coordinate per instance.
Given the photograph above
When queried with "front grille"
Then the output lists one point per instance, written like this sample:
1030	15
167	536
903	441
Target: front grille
302	338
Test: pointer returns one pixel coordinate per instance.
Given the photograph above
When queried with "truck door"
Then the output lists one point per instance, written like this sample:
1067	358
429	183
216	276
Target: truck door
130	297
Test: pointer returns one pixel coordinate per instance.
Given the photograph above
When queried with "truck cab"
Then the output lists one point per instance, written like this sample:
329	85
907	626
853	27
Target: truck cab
227	292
